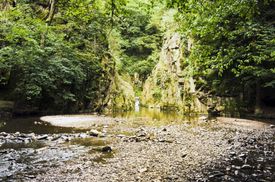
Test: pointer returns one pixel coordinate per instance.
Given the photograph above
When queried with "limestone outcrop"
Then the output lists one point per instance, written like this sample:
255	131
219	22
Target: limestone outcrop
122	95
171	86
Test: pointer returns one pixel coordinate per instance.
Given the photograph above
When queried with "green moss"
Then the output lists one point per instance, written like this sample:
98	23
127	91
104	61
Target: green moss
17	146
90	142
122	94
102	158
157	94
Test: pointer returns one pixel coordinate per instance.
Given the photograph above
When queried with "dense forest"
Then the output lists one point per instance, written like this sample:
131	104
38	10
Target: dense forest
71	56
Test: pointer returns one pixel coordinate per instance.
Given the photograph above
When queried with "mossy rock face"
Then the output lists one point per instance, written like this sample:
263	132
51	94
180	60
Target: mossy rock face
122	95
169	87
225	106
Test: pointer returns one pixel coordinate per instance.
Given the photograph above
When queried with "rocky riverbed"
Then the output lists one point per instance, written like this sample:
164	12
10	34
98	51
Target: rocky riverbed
139	151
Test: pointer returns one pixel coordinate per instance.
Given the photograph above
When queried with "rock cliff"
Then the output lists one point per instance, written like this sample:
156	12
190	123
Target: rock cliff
171	85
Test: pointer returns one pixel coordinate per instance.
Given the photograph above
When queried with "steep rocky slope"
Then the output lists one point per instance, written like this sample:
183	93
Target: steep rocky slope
171	86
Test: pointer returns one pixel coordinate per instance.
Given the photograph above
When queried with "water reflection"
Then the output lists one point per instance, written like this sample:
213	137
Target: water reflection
154	114
33	124
141	116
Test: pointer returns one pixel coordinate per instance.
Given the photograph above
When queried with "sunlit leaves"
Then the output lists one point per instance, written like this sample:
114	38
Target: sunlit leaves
233	38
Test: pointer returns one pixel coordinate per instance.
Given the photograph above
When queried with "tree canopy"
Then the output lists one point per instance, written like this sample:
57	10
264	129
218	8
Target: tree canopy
234	43
64	54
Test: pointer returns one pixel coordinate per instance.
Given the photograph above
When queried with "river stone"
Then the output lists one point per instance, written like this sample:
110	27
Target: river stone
94	133
232	153
31	135
143	170
3	134
26	141
203	119
242	155
121	136
172	177
183	155
55	137
83	135
246	166
141	133
43	137
106	149
216	174
30	176
102	135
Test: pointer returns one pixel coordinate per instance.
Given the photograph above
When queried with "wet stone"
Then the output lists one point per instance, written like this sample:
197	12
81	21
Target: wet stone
242	155
94	133
54	138
83	135
106	149
141	133
246	166
121	136
172	177
232	153
216	174
183	155
43	137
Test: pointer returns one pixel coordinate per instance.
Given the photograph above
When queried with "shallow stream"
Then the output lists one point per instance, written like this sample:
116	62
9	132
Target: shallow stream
36	125
33	146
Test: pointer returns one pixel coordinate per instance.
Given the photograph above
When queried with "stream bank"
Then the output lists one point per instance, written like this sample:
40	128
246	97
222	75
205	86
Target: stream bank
144	149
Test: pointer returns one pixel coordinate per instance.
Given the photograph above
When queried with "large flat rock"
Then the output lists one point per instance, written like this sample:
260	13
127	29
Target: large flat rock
78	121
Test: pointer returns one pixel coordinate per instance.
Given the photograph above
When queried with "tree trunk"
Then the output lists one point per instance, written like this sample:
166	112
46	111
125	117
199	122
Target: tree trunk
113	12
51	11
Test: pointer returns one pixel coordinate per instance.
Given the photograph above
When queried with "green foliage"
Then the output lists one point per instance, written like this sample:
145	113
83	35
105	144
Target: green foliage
55	66
234	41
157	94
63	54
141	39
